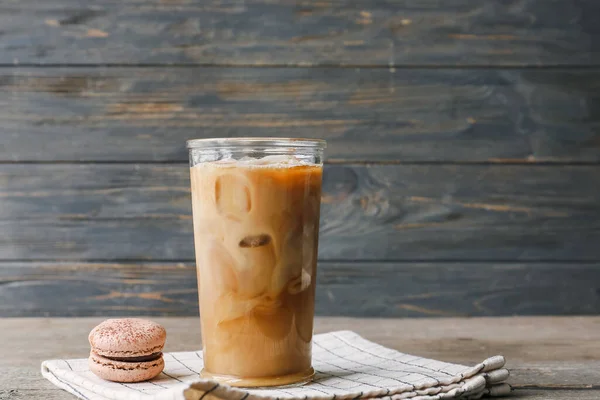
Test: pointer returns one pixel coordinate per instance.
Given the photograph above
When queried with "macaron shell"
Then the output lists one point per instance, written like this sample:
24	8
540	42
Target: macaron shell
127	337
125	372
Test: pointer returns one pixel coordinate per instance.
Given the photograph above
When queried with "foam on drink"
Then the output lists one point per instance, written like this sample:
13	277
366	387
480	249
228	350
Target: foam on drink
256	232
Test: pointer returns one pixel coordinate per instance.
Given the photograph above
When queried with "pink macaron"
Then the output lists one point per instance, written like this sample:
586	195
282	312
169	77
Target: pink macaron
127	350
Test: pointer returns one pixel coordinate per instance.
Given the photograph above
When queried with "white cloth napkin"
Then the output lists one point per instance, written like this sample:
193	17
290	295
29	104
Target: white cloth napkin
348	367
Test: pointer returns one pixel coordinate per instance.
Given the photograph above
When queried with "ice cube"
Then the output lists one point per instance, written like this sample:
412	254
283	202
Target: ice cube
233	195
299	284
218	269
280	159
255	264
247	159
256	270
290	262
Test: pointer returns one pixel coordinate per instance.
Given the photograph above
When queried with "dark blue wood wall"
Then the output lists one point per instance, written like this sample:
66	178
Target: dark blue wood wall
463	173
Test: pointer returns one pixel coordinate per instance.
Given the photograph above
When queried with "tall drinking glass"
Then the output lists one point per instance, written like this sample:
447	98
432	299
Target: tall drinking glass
256	204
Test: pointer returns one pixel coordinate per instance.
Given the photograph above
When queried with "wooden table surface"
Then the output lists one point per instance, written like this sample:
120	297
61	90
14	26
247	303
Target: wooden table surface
549	357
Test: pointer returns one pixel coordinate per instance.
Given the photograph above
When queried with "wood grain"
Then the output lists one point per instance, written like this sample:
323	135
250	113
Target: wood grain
344	289
24	394
369	212
539	368
528	343
286	32
375	115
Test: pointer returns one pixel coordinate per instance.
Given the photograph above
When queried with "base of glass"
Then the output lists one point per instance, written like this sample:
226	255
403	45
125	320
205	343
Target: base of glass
297	378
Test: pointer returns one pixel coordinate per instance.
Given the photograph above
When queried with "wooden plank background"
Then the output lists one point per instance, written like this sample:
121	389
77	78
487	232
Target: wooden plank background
463	172
374	289
375	115
290	32
369	212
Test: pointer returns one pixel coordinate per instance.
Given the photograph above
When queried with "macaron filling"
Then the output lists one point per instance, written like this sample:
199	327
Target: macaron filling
150	357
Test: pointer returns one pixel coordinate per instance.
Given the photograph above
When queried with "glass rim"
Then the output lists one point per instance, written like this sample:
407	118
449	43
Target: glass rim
256	141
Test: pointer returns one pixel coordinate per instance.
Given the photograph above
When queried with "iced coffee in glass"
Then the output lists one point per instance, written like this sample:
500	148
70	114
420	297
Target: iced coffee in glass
256	205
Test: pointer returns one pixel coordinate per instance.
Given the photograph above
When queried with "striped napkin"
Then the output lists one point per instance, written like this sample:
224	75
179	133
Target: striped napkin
348	367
